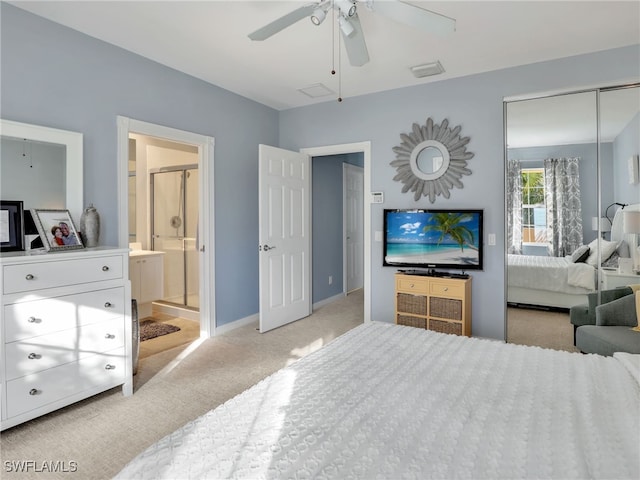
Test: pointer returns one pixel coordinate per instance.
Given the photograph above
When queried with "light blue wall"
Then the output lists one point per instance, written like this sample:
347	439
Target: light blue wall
55	76
624	146
475	103
327	225
532	157
58	77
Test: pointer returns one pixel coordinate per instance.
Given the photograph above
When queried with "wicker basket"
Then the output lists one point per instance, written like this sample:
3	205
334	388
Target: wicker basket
445	308
416	304
445	327
411	321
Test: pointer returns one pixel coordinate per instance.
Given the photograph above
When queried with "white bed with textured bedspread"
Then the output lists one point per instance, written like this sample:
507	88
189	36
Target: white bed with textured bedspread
386	401
550	281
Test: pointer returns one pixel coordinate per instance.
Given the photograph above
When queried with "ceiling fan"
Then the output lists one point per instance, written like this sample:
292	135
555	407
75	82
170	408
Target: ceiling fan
349	23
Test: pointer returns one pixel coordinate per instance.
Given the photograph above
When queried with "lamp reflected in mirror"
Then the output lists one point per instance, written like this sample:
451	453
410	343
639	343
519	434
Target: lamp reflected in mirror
631	226
604	227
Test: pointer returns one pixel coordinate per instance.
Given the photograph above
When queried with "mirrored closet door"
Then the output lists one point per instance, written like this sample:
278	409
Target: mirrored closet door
563	175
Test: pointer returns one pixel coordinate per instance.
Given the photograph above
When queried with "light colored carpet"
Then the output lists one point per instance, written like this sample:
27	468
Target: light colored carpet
540	328
103	433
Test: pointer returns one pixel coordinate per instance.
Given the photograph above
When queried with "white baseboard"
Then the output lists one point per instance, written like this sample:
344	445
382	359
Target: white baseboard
227	327
329	300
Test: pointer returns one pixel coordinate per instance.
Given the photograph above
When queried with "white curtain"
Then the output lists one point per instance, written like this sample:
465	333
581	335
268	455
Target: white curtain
563	204
514	207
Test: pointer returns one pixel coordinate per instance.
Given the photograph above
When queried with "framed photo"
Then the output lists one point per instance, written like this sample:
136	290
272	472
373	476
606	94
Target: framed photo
11	226
56	229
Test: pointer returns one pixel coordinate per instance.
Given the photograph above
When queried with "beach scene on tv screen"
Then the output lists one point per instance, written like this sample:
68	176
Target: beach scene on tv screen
433	238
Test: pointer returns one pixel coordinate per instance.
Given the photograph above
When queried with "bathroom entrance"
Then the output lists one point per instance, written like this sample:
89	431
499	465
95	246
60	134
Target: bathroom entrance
174	230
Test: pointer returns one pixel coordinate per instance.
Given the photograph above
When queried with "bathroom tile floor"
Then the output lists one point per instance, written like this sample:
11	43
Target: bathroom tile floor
189	331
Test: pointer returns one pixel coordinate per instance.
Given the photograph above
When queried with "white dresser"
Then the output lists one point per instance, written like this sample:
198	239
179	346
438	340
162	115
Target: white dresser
65	329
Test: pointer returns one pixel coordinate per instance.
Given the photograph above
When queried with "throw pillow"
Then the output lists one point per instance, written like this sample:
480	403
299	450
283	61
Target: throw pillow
606	250
581	254
621	312
623	249
612	261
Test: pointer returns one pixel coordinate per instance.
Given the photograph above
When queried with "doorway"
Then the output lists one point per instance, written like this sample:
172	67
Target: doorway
363	149
203	147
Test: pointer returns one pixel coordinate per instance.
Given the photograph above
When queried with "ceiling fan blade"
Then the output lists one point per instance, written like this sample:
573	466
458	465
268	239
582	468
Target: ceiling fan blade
355	44
415	16
283	22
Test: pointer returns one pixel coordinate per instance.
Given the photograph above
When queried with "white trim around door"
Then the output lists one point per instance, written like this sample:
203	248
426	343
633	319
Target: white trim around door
365	149
206	221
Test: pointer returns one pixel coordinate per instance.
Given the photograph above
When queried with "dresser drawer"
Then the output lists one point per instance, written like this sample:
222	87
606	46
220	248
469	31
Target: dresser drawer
412	284
40	317
39	389
35	354
37	276
446	289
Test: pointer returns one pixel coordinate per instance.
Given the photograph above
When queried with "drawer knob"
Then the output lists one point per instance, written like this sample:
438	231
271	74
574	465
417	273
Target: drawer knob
34	356
108	305
105	268
29	276
109	336
446	289
109	366
33	392
32	319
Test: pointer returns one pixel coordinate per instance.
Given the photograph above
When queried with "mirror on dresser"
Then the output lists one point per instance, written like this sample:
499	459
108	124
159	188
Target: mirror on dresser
564	155
42	167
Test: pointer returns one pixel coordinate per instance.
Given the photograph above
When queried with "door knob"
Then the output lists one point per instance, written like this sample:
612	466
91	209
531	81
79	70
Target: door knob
266	248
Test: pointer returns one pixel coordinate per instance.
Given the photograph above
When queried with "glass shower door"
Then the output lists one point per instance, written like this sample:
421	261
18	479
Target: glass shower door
174	232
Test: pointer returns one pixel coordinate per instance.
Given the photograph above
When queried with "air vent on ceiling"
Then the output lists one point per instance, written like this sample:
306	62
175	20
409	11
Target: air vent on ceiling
316	90
427	69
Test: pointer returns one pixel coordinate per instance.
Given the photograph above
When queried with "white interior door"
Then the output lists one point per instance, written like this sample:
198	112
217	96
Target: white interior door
285	236
354	226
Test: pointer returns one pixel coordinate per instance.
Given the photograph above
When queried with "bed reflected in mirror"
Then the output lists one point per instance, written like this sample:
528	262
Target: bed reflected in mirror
559	179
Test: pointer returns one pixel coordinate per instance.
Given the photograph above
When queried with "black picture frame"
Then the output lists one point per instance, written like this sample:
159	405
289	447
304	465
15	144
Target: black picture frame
48	221
11	226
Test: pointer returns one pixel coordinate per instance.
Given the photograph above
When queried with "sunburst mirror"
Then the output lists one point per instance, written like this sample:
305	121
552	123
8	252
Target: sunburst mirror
431	159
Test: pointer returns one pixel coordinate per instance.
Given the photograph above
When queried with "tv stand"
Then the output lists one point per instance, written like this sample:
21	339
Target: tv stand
441	304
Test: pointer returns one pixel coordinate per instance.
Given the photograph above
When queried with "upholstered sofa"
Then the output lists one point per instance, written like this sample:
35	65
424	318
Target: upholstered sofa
608	327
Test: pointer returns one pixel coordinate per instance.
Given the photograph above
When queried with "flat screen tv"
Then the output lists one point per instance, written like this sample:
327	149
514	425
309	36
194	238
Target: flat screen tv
432	239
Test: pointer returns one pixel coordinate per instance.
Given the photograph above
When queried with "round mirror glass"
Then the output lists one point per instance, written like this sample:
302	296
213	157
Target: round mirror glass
429	160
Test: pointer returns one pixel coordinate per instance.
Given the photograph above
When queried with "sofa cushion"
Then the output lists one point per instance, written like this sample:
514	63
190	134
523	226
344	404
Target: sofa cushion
607	340
620	312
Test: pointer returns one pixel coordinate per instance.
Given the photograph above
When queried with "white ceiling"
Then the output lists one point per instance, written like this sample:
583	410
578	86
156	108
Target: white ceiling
208	40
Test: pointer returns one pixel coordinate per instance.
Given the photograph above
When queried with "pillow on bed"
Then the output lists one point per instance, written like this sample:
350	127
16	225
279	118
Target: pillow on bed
612	261
606	250
581	254
623	249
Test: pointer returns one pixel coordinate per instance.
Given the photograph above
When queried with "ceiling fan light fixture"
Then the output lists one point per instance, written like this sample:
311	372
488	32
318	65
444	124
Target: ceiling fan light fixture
427	69
345	26
318	16
347	7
